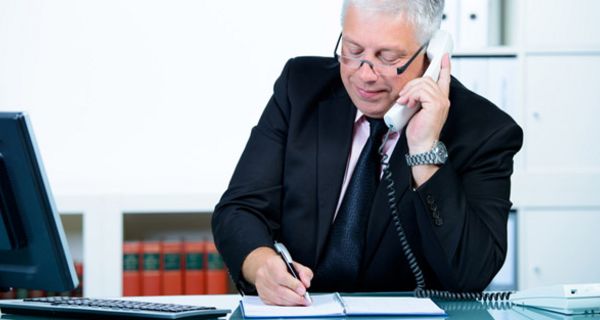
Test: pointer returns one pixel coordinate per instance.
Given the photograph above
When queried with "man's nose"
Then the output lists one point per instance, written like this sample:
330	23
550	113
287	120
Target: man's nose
367	71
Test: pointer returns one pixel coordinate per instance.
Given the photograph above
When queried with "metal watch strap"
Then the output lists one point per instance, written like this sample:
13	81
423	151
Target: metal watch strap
429	157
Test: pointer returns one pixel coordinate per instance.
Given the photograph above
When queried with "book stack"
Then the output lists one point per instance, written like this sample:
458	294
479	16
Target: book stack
22	293
152	268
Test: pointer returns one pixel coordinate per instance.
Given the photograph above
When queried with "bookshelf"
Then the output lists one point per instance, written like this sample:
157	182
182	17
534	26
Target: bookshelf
550	61
107	221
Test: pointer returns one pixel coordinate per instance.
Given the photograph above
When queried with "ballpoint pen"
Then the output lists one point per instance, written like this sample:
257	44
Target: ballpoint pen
287	258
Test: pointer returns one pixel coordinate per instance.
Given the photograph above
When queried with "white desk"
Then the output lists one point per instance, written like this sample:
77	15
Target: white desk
455	309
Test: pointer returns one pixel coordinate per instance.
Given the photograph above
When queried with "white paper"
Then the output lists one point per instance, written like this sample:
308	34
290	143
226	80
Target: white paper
390	306
329	305
322	305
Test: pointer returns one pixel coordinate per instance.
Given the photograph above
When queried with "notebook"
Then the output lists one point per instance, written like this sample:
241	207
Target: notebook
331	305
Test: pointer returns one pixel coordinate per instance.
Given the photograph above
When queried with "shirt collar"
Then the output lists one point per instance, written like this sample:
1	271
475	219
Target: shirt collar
359	116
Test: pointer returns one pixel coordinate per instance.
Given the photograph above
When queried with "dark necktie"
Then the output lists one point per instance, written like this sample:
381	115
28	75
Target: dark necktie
338	268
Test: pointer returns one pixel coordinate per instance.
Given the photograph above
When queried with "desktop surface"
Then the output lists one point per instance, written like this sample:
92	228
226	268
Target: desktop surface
454	309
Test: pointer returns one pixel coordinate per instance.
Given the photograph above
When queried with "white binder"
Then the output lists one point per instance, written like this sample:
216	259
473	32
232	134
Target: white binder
479	23
450	19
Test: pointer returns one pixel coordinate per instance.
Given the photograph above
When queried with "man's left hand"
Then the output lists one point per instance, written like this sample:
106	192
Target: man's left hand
426	125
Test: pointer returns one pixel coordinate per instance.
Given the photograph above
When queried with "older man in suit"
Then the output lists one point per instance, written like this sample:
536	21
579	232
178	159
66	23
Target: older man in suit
310	175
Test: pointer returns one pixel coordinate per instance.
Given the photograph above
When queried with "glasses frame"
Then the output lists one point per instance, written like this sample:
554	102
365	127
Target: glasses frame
399	70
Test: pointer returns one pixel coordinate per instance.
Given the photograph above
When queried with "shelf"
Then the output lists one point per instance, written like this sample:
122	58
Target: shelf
554	51
139	203
489	52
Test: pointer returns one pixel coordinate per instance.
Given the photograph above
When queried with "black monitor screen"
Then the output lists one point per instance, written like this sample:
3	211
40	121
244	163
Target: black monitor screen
33	249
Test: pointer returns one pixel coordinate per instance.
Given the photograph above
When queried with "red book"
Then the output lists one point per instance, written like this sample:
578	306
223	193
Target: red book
78	292
216	275
36	293
172	268
151	268
132	281
194	279
10	294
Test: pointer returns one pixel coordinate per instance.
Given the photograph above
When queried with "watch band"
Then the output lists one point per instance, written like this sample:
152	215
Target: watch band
437	155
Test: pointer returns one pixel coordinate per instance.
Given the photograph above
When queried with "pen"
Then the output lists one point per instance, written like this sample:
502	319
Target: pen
287	258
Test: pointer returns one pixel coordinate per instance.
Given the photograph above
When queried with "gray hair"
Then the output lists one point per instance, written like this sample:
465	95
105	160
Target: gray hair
425	15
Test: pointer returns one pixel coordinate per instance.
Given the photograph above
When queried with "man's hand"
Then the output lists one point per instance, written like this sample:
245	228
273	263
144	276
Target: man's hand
426	125
275	285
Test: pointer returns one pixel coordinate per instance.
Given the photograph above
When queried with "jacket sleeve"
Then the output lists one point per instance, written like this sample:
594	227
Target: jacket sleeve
248	214
467	213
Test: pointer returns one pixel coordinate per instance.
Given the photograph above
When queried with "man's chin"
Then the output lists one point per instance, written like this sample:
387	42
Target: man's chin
373	110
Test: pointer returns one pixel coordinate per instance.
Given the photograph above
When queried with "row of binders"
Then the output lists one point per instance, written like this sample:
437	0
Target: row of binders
474	24
22	293
152	268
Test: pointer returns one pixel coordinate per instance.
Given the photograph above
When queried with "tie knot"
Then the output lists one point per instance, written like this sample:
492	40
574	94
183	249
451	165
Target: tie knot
377	128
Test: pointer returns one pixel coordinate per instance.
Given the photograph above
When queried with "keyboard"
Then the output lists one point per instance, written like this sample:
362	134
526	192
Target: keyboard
106	309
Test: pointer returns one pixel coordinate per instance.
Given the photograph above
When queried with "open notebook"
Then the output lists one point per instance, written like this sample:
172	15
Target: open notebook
329	305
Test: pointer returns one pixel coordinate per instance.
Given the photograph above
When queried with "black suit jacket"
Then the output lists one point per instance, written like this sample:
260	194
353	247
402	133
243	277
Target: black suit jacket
288	180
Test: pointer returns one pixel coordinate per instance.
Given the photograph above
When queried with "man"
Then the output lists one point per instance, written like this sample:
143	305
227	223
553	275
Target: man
304	176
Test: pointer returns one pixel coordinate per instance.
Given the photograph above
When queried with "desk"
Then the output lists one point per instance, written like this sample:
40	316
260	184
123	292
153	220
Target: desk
456	310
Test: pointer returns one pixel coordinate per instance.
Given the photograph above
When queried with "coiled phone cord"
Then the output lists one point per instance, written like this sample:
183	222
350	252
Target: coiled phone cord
420	290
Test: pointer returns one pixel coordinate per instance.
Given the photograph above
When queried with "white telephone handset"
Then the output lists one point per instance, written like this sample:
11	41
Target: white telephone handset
441	42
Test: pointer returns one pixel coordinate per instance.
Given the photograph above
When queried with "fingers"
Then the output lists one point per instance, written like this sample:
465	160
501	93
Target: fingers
275	285
443	83
444	80
421	90
305	274
282	296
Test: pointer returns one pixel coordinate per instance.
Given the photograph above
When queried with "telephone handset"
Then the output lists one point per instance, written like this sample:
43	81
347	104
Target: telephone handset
441	42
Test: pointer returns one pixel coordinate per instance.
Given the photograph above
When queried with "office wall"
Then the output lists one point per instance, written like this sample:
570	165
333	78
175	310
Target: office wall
150	96
157	98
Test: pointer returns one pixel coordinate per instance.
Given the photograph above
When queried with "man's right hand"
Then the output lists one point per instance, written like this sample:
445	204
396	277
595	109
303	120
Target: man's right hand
264	268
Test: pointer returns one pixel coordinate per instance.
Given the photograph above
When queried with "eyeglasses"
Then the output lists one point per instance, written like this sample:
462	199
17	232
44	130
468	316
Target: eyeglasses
381	68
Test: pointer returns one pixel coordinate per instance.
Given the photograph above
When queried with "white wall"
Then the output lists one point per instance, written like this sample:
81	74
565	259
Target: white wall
150	96
157	98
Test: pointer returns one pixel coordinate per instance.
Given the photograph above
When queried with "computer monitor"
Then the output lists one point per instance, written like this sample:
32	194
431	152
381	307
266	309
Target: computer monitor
33	248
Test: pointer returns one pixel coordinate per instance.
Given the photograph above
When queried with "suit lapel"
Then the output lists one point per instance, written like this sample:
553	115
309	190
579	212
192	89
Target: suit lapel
336	119
380	216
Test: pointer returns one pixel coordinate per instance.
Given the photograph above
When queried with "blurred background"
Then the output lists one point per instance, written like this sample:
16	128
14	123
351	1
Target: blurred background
141	109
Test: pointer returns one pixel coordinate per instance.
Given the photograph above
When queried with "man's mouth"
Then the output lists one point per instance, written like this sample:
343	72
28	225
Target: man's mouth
369	94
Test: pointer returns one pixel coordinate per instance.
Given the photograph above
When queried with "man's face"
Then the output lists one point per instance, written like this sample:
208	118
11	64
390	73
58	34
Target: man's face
384	40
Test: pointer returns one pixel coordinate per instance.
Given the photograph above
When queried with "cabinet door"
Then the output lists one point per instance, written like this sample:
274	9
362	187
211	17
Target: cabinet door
562	102
558	246
564	24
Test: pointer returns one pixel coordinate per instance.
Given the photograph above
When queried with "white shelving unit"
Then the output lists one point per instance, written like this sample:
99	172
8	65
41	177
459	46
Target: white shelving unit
103	230
555	53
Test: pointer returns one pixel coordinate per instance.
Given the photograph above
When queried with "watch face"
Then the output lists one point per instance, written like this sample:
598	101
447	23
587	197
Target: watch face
441	152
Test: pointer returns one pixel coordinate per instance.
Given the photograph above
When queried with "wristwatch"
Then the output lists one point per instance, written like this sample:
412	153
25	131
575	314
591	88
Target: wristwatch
437	155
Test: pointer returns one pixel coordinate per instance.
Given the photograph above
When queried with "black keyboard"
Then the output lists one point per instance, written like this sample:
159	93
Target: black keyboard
107	309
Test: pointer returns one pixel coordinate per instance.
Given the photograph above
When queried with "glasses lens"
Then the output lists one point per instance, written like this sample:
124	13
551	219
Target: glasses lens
378	68
350	62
